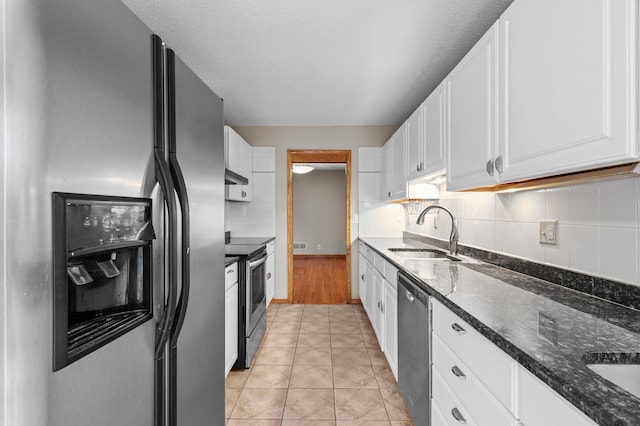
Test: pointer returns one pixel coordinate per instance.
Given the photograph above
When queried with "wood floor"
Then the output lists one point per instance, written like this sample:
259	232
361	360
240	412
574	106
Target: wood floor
320	279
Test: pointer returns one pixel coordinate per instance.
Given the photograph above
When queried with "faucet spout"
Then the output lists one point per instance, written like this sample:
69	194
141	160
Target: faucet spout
453	238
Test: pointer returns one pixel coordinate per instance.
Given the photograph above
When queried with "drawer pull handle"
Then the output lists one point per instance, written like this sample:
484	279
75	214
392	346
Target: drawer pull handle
458	373
268	275
456	327
362	277
230	271
457	415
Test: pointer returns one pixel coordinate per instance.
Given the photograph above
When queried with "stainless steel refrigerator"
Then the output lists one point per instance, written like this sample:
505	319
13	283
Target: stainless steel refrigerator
78	115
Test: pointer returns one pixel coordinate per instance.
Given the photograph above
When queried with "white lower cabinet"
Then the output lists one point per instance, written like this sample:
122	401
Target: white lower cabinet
271	272
542	406
447	403
476	399
377	320
437	418
378	283
490	364
485	385
390	314
472	378
230	317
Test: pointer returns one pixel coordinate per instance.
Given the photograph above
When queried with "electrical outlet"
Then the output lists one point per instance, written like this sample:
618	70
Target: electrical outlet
355	218
548	232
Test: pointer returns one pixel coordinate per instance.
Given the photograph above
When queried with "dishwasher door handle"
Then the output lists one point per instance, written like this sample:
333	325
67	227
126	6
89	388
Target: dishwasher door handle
410	296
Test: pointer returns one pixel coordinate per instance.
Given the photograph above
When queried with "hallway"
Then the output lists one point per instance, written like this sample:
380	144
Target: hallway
318	365
320	279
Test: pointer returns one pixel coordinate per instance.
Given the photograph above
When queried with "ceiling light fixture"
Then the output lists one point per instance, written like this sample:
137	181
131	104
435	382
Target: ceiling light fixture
301	169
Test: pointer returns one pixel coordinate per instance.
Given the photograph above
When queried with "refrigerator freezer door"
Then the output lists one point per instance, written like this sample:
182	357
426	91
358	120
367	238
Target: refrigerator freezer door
199	146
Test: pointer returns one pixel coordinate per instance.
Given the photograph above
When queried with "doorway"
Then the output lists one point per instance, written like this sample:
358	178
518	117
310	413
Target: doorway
316	276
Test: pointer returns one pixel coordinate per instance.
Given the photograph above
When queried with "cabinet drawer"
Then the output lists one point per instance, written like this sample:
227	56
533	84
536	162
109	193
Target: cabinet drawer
369	253
230	275
391	274
450	408
471	393
484	359
542	406
378	262
437	418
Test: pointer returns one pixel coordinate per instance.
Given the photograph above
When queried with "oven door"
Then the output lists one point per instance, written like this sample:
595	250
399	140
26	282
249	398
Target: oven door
256	302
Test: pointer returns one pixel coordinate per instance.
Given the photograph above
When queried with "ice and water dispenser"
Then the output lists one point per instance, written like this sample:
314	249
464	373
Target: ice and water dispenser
102	271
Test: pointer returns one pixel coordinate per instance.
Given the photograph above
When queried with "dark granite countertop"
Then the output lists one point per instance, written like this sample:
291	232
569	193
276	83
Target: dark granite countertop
506	307
251	240
229	260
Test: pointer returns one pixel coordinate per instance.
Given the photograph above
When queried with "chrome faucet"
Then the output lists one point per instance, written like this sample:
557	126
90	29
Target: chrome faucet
453	239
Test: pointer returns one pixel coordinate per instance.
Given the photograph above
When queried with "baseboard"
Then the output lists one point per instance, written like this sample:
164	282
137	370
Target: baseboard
280	301
356	301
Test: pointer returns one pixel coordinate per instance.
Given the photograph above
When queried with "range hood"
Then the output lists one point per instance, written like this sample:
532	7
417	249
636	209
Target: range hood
232	178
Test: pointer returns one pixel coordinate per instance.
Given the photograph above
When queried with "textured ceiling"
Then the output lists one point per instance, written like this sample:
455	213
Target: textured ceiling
320	62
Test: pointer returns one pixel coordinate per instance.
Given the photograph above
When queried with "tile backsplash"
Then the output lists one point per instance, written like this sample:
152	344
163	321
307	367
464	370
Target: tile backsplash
598	225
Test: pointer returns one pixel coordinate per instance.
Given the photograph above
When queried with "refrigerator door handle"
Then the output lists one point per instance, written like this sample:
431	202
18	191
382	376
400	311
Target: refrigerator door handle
166	185
181	191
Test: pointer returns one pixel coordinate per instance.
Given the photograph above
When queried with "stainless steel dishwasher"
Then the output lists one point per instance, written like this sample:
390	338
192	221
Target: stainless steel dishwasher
414	349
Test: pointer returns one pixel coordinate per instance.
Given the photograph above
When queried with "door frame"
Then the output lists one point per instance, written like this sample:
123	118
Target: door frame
318	156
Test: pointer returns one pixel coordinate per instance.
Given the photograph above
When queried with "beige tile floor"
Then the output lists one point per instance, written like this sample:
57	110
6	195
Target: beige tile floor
318	365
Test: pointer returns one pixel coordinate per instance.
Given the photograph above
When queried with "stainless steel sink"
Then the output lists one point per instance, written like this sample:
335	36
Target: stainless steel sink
627	376
419	253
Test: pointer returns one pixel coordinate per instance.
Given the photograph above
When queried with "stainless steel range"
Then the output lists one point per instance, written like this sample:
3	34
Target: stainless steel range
252	301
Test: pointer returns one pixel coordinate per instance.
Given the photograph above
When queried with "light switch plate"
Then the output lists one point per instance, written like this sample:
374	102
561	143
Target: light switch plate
548	232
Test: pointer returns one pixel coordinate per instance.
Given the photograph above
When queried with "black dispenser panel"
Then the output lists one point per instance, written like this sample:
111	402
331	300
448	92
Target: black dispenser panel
102	271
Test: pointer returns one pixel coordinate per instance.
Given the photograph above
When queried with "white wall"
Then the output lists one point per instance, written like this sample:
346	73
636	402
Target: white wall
309	137
598	225
319	212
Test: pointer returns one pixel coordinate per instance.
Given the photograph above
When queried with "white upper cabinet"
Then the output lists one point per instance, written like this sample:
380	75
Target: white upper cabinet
434	128
238	155
394	180
559	96
471	91
414	133
425	136
568	86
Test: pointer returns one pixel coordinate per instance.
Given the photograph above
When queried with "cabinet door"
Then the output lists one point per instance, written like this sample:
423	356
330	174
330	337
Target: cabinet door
271	277
230	328
362	284
239	158
415	143
568	81
394	172
471	91
433	130
399	174
387	170
390	312
370	304
378	318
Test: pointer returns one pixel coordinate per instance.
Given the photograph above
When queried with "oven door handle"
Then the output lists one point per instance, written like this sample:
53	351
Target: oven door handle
255	263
